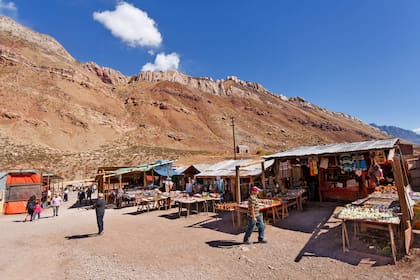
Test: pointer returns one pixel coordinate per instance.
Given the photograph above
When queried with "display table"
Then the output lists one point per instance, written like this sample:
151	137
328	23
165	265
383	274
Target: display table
376	218
293	197
197	202
152	202
227	207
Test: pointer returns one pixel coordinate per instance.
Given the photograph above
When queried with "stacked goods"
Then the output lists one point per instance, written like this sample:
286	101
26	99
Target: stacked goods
375	213
387	188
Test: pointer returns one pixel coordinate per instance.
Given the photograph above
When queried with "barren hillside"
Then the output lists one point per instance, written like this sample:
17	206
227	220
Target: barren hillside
69	117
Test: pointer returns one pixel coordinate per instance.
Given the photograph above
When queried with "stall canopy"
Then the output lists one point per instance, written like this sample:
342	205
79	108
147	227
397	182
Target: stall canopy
161	167
227	168
305	151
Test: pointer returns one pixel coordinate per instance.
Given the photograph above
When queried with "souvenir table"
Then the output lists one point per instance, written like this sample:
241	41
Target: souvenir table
146	200
293	197
199	202
264	205
376	212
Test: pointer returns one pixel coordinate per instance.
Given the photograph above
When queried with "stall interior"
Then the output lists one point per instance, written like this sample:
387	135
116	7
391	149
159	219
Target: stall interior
145	177
346	176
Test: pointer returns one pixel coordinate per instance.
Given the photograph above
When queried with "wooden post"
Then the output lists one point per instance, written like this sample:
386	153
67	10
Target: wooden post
403	199
238	185
263	176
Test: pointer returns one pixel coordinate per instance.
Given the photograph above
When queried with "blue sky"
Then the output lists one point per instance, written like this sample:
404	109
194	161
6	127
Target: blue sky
359	57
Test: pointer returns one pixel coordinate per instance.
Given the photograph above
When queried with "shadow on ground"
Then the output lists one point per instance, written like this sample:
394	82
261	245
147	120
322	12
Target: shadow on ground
223	243
221	222
24	221
80	236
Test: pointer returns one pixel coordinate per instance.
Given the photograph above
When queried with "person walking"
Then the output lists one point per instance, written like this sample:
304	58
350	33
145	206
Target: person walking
55	203
37	211
254	217
66	195
44	195
89	195
81	196
99	207
30	206
120	194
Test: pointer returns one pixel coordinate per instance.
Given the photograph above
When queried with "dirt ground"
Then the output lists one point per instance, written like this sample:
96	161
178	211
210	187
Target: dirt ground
161	245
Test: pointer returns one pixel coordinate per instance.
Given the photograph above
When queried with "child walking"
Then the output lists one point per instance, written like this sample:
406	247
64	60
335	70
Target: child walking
37	211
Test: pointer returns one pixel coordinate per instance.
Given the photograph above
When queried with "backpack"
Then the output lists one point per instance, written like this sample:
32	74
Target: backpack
31	205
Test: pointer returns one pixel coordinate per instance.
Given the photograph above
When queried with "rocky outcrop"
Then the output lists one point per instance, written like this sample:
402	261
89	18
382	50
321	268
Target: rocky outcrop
107	75
231	86
42	41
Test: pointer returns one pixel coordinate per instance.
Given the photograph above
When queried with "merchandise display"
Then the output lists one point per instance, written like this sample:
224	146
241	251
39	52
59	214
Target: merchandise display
377	213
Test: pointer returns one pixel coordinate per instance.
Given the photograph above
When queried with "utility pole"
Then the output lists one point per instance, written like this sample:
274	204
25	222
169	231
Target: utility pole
233	132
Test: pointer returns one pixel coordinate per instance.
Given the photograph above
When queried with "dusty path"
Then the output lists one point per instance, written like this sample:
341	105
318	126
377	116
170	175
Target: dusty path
160	245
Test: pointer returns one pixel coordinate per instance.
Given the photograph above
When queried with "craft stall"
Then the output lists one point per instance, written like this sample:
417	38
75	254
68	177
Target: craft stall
387	209
342	171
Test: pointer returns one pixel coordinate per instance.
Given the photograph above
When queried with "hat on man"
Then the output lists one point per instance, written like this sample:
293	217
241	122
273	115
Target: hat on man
100	195
255	189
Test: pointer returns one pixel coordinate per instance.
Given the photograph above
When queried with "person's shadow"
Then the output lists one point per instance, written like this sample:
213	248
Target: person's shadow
223	243
80	236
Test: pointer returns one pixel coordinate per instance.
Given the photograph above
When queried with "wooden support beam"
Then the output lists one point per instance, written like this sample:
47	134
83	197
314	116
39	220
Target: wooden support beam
238	185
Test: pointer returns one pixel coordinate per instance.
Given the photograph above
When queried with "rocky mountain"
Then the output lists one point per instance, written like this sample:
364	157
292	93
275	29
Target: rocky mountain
69	117
401	133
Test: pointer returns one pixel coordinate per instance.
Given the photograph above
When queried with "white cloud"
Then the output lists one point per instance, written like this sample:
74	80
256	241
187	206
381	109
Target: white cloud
163	63
8	8
417	130
132	25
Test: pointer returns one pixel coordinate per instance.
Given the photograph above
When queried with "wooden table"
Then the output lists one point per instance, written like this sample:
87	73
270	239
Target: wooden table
227	207
151	202
187	202
389	226
243	209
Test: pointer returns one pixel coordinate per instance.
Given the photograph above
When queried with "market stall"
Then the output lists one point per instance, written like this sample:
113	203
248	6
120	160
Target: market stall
19	185
141	177
343	171
387	208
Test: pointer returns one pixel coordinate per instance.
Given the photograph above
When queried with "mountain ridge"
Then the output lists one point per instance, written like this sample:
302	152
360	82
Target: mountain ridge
60	114
405	134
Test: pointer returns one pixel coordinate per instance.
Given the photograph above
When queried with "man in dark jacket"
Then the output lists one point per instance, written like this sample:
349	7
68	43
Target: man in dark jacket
99	206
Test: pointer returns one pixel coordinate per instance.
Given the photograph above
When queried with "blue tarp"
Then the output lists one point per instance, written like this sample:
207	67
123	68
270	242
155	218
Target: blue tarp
162	170
159	166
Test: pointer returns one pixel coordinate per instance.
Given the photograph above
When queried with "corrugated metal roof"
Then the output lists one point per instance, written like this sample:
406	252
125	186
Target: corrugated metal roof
198	167
336	148
227	168
181	169
139	168
201	166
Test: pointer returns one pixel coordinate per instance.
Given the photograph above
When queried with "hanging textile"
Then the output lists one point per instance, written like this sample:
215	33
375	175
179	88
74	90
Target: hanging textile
346	163
380	156
313	166
284	169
